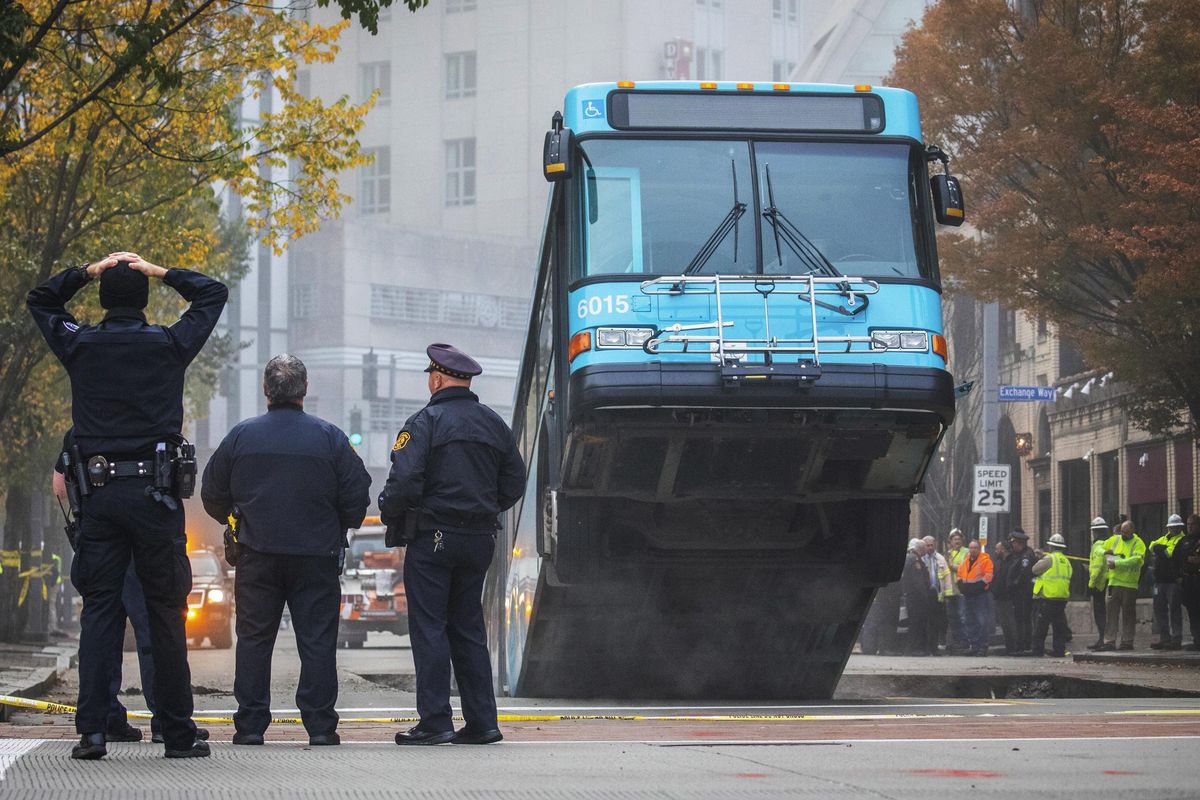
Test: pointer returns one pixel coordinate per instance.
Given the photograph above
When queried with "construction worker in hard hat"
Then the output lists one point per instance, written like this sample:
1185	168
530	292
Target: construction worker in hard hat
1125	553
1051	590
1098	578
956	551
1168	606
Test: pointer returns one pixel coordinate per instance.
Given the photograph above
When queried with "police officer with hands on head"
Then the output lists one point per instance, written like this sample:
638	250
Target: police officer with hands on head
296	485
455	467
127	408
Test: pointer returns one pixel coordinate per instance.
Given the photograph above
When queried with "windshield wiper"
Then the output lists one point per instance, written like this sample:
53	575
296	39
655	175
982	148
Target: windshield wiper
809	254
730	222
787	232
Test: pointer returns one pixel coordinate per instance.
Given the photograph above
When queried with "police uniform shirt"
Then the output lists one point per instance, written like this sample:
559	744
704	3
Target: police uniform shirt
126	375
295	478
457	462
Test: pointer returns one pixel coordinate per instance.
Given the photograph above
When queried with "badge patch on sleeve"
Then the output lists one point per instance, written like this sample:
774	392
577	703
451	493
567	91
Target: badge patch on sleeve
401	441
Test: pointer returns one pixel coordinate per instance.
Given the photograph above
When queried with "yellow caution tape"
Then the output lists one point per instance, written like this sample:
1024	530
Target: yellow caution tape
41	573
58	708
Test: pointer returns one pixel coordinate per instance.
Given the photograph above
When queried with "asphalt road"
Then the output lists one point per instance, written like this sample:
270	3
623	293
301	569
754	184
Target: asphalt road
879	748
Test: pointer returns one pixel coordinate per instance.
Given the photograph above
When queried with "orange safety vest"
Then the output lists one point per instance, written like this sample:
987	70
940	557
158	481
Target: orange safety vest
978	571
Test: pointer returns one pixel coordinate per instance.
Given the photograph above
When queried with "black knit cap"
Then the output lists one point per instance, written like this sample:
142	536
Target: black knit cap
124	287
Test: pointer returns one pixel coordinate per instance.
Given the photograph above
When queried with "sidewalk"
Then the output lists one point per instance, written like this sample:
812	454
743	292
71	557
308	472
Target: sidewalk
28	670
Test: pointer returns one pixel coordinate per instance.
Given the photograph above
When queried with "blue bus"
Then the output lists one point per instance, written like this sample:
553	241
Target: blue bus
734	380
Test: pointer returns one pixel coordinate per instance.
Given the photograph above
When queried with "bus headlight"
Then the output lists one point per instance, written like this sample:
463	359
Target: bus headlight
216	596
913	341
612	338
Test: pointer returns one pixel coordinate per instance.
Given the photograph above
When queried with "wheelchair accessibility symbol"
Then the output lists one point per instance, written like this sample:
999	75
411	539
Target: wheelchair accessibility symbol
593	109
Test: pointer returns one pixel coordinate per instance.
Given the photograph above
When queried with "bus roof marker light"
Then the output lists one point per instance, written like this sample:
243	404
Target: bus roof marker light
626	84
708	84
745	86
580	343
862	87
781	87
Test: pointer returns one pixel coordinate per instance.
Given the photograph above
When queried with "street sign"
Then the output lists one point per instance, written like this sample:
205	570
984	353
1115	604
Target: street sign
1028	394
991	489
983	532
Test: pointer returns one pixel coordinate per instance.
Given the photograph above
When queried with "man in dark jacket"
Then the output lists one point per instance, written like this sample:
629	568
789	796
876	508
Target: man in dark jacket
455	466
918	601
1020	588
297	485
1187	561
1003	561
127	380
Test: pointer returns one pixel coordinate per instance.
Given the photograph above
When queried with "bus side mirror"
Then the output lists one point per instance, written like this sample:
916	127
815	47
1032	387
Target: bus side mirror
948	206
557	150
947	200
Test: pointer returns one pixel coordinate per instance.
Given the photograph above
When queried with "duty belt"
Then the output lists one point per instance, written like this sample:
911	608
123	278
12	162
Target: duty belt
100	470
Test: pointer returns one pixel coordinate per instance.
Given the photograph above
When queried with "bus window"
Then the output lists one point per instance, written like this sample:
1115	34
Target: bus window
614	238
652	204
852	201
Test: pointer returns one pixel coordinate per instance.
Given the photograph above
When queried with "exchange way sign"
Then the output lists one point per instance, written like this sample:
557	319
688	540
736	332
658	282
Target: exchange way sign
991	488
1017	394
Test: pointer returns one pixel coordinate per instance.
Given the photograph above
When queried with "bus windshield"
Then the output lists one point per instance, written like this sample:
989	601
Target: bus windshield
663	207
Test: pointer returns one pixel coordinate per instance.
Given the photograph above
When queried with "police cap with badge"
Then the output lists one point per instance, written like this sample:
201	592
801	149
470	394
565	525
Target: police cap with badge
449	360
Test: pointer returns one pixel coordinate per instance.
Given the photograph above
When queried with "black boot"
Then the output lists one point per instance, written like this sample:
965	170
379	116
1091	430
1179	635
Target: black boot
90	747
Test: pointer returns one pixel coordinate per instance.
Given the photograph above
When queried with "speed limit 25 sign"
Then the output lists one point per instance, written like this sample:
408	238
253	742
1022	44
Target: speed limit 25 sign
991	489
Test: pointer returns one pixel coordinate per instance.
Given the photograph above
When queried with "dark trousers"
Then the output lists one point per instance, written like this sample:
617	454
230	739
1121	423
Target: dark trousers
879	630
1022	604
310	587
978	608
445	624
1191	601
956	620
1008	623
134	602
1168	612
922	633
1051	615
1099	612
120	520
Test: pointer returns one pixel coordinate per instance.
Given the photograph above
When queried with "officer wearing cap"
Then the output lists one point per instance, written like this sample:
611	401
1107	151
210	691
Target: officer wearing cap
1020	588
127	408
455	467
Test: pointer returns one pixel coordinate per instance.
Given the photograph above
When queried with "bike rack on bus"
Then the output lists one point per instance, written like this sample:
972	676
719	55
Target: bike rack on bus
730	353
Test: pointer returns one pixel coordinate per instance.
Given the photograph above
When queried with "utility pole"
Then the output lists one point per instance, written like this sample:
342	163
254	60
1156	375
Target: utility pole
990	449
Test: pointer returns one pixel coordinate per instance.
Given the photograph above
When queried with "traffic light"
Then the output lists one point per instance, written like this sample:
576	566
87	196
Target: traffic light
370	375
1024	443
356	436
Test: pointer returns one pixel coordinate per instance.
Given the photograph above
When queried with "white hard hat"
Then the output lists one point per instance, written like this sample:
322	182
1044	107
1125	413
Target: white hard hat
1099	524
954	531
1175	521
1057	541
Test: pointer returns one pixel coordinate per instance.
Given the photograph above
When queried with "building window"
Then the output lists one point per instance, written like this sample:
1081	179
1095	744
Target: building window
459	6
460	75
375	185
460	172
375	76
777	9
793	10
710	63
711	5
304	83
304	301
1043	328
465	309
782	70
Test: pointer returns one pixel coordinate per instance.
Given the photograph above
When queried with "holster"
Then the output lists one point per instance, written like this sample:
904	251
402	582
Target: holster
233	548
402	529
